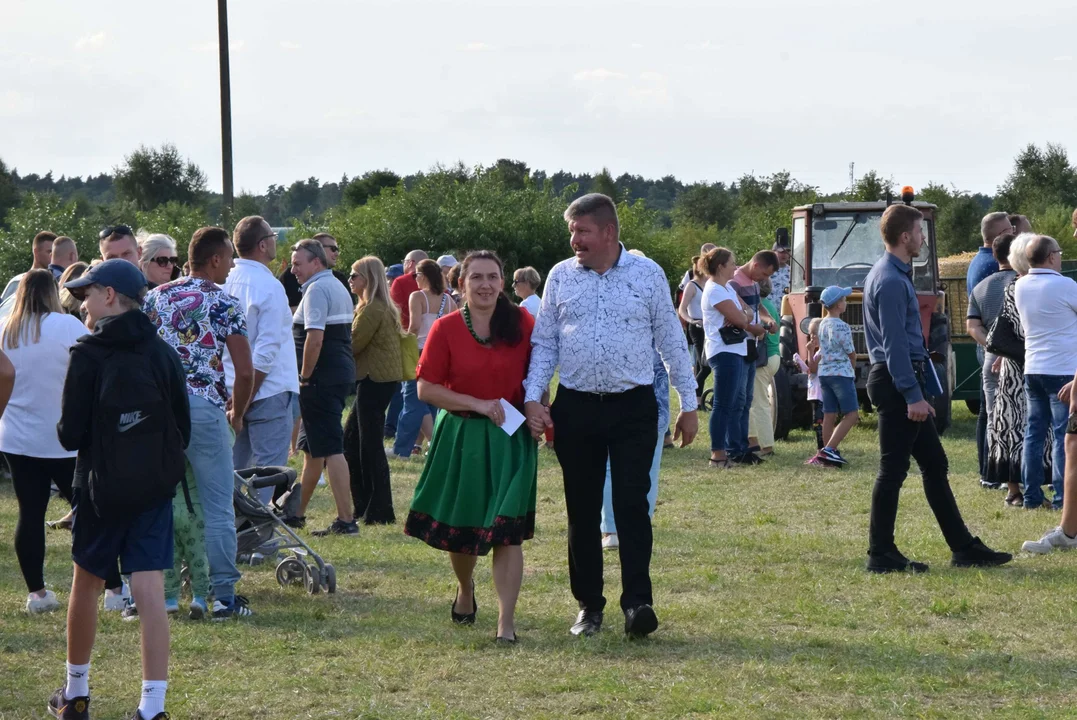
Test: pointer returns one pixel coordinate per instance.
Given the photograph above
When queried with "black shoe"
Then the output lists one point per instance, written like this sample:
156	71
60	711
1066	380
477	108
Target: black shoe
338	527
465	618
588	622
976	554
69	708
501	640
295	522
158	716
640	621
989	485
894	561
747	459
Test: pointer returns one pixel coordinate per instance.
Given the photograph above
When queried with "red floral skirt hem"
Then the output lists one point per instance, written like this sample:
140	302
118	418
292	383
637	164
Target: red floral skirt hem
473	540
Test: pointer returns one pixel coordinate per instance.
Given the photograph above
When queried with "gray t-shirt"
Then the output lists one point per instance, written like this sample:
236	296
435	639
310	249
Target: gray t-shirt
985	304
326	306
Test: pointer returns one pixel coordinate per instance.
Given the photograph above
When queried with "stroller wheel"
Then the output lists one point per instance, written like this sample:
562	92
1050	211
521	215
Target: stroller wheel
330	578
314	579
290	571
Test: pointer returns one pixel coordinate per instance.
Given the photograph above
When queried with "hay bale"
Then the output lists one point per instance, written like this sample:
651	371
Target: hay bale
955	265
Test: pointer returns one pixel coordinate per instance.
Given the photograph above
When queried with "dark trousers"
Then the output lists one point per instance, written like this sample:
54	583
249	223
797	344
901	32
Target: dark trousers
981	433
31	478
363	437
700	366
900	439
396	405
623	428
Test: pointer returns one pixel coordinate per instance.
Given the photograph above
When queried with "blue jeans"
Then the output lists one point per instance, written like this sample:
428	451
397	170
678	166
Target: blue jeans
392	414
411	419
266	434
1045	413
661	394
210	455
729	424
741	438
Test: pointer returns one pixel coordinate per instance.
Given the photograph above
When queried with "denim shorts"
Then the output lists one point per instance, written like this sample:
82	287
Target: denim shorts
839	394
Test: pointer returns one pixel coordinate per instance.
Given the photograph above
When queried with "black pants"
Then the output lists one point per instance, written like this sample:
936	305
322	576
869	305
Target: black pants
700	366
31	478
623	428
364	432
981	433
900	439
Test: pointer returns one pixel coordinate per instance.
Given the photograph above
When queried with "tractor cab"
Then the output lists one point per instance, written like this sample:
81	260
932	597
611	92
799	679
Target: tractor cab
837	244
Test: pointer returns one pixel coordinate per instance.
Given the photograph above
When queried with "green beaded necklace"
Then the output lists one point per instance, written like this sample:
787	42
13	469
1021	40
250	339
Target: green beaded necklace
467	321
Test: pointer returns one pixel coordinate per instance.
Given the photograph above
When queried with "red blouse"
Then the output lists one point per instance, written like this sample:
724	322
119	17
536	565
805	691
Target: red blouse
454	359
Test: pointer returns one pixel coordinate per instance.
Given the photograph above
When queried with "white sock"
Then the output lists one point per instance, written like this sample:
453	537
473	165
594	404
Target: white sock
153	698
78	681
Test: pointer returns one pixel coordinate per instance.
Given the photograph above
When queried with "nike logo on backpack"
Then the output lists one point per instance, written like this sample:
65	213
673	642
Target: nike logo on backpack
129	420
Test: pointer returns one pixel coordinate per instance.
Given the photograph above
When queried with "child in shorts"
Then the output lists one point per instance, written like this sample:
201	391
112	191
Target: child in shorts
837	374
815	397
112	293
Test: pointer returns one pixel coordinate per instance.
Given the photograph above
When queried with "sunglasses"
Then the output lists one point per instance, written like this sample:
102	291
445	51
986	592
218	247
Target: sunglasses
353	276
334	248
163	261
516	282
117	230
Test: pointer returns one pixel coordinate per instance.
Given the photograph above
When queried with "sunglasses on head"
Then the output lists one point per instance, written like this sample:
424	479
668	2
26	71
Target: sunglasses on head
116	230
163	261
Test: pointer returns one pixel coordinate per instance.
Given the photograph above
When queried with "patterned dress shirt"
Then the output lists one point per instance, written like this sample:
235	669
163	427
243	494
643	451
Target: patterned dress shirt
602	330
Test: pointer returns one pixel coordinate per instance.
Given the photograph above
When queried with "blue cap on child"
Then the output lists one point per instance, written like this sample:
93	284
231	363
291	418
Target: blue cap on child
834	293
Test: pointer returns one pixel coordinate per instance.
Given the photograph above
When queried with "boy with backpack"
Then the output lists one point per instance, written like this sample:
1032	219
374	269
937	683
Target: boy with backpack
125	411
837	376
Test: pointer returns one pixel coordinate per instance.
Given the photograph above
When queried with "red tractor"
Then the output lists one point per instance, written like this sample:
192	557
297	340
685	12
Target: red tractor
837	244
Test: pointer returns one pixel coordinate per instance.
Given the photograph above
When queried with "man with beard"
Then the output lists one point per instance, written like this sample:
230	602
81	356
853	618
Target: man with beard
901	375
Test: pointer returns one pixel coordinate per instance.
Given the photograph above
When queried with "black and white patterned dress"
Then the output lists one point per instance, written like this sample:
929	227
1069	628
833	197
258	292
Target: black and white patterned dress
1006	433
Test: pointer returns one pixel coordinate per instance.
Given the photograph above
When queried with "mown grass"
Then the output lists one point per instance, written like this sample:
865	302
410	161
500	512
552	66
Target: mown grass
765	610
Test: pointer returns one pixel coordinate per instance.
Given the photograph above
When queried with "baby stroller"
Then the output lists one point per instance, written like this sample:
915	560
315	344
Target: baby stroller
262	533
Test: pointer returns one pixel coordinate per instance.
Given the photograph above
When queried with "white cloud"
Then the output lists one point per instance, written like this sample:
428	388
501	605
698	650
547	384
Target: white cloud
477	47
13	103
706	45
1064	58
289	45
91	42
598	75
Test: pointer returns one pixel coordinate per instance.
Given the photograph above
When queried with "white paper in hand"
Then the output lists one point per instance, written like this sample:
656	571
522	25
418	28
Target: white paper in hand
513	418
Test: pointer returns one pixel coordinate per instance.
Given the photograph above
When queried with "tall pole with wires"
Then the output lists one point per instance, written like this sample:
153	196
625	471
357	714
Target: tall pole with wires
226	110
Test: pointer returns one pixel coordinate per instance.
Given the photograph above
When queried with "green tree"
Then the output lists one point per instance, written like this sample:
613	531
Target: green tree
9	193
246	204
706	205
512	174
1040	178
603	183
870	187
361	189
150	177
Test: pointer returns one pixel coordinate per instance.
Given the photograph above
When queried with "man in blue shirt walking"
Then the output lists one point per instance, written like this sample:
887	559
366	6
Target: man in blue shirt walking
901	375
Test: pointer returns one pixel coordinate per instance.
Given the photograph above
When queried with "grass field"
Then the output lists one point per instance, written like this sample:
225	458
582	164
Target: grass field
759	585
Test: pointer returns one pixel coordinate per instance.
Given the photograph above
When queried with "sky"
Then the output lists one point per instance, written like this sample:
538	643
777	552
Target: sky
707	91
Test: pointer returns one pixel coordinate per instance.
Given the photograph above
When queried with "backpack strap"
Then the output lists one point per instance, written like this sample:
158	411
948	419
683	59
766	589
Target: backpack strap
444	299
161	388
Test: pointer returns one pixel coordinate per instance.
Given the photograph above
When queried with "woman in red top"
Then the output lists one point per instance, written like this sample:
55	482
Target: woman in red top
477	490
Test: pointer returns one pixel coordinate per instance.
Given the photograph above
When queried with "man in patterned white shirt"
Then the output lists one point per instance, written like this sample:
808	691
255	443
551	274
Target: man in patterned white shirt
602	315
779	281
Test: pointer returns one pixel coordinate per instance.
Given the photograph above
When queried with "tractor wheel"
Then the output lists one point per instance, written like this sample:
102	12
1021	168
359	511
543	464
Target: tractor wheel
781	393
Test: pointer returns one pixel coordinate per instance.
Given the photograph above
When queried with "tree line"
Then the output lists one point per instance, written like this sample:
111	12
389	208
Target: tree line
507	207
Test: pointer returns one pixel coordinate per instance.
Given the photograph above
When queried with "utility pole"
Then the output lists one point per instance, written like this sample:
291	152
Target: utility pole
226	110
852	177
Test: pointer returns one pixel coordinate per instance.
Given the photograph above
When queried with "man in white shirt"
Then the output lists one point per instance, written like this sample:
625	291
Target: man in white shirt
603	314
267	424
42	247
1047	303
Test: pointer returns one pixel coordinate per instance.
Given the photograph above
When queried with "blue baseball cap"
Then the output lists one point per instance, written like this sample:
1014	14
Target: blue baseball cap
834	293
394	271
120	275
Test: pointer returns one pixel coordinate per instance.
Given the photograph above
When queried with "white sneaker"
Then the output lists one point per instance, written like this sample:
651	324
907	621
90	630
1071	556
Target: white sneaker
117	601
35	604
321	480
1054	539
610	542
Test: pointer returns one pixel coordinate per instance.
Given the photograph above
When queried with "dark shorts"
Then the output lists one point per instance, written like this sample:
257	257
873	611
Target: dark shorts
322	408
141	544
839	394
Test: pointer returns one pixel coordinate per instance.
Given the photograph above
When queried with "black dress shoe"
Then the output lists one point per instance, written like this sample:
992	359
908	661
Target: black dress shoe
588	622
976	554
894	561
465	618
502	640
640	621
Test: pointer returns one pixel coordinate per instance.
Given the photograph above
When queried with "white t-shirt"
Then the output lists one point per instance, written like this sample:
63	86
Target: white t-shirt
714	320
28	426
532	304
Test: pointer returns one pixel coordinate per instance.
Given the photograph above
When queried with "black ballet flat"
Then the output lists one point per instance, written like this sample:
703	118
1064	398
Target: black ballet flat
465	618
500	640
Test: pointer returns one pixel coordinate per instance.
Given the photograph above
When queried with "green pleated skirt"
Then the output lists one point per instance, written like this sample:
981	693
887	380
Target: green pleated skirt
477	489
